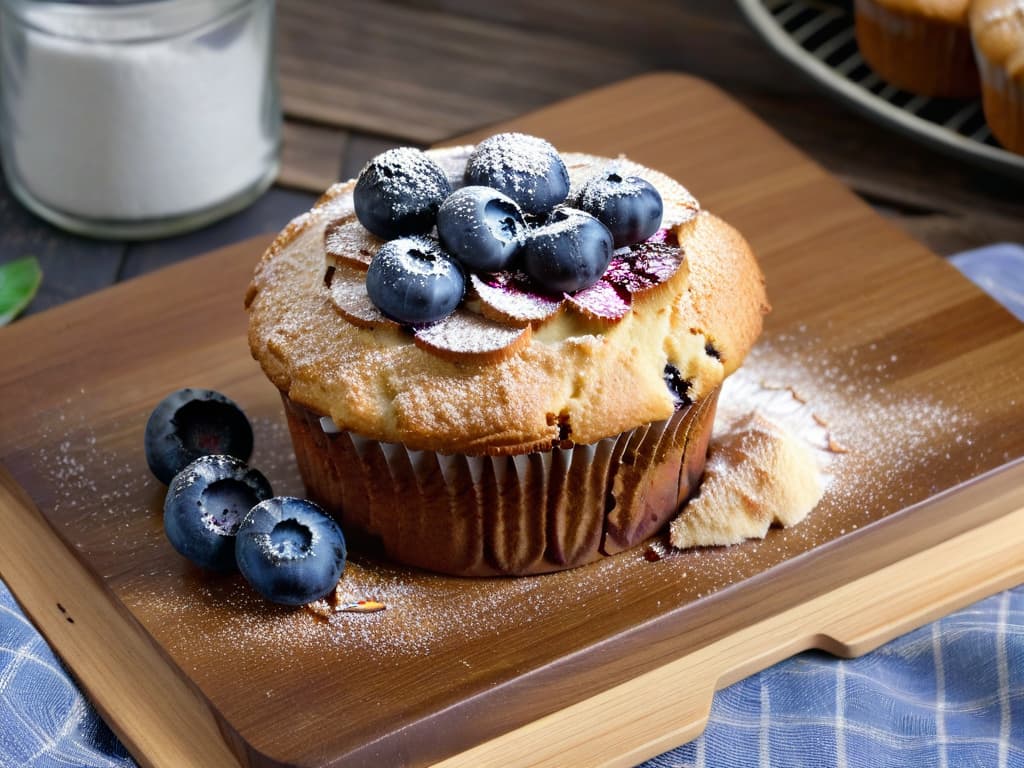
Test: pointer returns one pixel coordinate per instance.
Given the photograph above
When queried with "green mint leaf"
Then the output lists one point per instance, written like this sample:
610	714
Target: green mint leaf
19	281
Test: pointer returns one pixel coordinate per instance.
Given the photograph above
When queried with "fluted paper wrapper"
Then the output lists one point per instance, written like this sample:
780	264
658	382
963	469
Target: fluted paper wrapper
917	52
504	515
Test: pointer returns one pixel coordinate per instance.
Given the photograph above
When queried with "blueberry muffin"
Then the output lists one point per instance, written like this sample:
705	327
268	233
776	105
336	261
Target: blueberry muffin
921	46
499	359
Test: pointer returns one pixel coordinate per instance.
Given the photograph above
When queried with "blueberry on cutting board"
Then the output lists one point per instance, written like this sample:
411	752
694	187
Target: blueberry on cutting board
205	504
191	423
290	551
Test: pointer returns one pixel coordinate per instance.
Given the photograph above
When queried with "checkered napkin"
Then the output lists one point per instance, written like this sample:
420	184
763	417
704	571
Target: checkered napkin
950	694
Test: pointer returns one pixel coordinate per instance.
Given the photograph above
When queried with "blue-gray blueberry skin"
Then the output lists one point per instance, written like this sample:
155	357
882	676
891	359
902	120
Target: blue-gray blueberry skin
205	505
482	228
629	206
414	281
678	387
191	423
569	253
527	169
399	193
290	551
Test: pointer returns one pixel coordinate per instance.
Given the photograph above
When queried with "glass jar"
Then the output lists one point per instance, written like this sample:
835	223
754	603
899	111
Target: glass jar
138	118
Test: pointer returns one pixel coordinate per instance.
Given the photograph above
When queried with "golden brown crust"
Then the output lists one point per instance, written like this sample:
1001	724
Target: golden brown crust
997	27
488	341
599	381
951	11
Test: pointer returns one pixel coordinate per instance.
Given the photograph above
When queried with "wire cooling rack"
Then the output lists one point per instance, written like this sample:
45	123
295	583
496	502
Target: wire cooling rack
817	36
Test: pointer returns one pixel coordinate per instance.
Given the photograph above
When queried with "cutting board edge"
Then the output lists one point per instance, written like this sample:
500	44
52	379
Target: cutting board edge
640	719
90	618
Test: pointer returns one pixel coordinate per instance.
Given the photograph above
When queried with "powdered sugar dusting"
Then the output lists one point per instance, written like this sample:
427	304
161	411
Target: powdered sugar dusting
515	163
348	295
870	440
346	241
464	333
507	296
423	613
82	470
849	396
612	179
601	301
409	175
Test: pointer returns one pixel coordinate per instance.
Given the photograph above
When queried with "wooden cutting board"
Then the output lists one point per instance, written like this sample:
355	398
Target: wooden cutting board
915	376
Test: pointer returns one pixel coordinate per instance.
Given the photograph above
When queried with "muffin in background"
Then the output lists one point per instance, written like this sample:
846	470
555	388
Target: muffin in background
921	46
997	27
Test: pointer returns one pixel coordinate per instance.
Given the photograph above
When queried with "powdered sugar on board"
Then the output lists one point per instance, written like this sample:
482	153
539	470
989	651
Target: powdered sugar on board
816	394
851	397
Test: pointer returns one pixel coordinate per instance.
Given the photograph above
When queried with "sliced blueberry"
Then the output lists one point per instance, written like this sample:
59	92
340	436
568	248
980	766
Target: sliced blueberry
399	193
629	206
527	169
191	423
412	280
569	253
205	504
290	551
677	386
482	228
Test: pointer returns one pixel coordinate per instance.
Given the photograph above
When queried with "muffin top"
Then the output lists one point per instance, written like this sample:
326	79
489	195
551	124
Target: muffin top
493	378
952	11
997	27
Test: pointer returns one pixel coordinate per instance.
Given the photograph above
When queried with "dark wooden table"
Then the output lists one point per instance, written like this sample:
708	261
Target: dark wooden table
358	76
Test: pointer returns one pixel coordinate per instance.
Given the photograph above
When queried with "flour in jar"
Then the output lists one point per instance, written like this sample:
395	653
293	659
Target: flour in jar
139	114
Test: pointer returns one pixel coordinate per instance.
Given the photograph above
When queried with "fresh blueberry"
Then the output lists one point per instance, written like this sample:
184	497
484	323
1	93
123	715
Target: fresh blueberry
568	253
525	168
412	280
206	503
290	551
191	423
629	206
399	192
482	228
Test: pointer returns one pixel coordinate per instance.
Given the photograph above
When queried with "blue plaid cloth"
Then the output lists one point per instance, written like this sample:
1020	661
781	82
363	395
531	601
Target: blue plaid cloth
950	694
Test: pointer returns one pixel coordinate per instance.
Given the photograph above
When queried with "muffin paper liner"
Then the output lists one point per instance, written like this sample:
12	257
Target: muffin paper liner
504	515
919	54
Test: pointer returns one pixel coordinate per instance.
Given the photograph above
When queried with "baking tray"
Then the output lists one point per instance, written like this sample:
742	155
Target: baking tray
817	37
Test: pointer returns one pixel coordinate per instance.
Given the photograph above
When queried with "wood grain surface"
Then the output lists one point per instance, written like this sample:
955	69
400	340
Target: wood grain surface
865	320
360	76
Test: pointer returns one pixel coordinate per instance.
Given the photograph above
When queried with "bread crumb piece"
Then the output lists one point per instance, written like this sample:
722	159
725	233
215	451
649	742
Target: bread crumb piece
757	474
835	446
